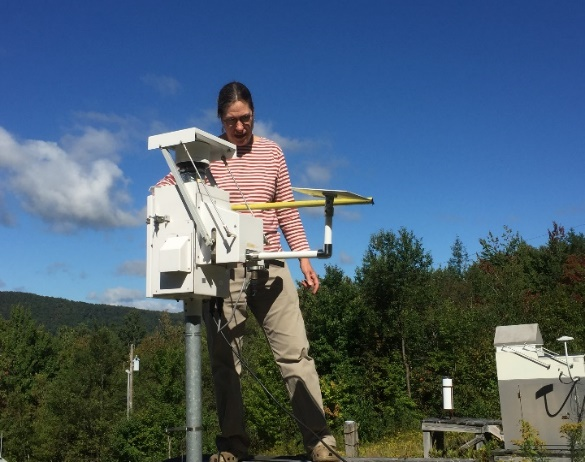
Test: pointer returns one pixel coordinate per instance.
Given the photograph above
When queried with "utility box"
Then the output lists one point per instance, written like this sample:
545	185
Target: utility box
536	385
180	264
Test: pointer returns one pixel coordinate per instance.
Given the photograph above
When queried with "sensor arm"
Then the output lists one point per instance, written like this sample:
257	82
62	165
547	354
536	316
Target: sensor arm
331	197
300	204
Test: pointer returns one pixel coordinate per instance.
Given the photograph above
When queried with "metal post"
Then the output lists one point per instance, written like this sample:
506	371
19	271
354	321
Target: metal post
127	393
131	380
194	430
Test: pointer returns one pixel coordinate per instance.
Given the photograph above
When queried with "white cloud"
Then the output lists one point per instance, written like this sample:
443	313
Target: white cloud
79	186
349	213
287	144
132	268
153	304
117	295
207	120
345	258
316	176
165	85
92	144
123	296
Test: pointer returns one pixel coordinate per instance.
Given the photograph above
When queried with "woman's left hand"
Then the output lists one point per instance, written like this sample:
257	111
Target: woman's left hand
311	281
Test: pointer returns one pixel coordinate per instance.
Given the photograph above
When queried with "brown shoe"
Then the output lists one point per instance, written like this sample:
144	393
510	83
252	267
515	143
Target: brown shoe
223	456
322	453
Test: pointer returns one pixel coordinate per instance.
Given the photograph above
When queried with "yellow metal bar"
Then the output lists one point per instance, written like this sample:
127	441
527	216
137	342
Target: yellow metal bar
299	204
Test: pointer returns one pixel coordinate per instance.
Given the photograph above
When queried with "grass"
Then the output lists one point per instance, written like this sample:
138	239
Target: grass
407	444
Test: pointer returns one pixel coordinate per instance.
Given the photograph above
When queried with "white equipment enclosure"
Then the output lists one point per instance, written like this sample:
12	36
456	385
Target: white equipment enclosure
537	386
193	236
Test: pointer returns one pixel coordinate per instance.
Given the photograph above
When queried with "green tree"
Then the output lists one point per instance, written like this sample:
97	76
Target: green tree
495	248
85	399
159	398
26	363
133	330
395	282
338	326
337	321
459	261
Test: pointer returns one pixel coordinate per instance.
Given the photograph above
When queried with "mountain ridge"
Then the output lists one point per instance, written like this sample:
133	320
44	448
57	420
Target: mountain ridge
55	312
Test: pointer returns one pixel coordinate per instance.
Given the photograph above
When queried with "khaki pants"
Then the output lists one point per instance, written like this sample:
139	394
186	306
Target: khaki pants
275	304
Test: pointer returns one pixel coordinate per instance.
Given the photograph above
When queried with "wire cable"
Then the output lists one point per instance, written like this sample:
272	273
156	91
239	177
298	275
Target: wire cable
224	160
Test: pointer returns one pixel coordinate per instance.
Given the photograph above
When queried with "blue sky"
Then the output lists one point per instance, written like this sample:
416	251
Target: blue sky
458	117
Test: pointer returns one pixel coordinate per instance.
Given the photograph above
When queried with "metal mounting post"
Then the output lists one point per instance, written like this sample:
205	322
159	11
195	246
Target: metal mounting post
194	422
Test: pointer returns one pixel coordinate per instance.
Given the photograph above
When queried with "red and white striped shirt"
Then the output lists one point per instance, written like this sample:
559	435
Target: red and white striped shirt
262	176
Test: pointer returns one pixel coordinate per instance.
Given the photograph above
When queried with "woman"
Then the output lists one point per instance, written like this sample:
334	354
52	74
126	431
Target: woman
259	173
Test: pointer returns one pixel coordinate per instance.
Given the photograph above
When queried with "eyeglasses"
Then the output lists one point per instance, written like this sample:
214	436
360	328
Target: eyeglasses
233	121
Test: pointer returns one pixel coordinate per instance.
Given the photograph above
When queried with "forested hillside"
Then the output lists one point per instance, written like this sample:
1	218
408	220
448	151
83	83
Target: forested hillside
382	339
54	313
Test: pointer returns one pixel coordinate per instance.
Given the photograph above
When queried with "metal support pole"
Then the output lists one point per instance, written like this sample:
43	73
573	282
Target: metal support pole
194	421
131	380
127	393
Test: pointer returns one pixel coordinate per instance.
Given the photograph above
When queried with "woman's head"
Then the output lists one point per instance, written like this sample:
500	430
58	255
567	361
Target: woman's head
235	109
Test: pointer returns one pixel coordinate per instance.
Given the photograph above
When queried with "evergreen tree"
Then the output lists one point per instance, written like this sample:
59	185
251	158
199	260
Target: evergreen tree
26	363
85	399
459	261
133	330
394	282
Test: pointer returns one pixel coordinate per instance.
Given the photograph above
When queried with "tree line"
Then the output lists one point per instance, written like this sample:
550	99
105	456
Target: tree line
382	339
